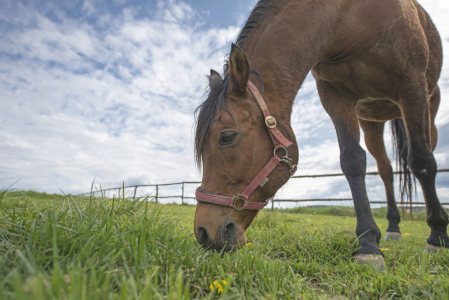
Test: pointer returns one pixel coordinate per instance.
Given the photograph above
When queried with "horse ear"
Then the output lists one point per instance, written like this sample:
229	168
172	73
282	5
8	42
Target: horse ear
214	77
238	68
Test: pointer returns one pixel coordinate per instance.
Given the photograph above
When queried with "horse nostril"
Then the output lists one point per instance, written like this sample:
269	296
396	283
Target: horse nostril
203	237
230	235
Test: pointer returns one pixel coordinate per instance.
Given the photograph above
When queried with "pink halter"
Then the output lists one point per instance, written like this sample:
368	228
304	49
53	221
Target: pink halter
261	179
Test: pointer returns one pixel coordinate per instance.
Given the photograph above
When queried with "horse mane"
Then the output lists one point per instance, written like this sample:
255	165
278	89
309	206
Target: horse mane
262	11
205	112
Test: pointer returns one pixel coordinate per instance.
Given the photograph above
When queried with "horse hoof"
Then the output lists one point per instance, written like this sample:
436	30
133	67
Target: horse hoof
371	259
391	235
435	249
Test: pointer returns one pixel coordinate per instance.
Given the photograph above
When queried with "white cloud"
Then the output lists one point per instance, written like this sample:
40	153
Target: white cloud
118	105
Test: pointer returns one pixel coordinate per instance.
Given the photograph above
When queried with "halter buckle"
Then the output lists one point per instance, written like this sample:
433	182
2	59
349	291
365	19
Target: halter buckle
236	199
270	121
288	161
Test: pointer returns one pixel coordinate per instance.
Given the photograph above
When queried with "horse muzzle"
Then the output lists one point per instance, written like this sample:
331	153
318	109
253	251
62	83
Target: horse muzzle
227	237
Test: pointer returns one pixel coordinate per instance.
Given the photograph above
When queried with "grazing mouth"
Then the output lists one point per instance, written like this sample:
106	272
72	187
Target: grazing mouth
225	238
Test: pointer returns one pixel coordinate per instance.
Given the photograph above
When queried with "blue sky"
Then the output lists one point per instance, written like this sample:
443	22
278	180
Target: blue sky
107	90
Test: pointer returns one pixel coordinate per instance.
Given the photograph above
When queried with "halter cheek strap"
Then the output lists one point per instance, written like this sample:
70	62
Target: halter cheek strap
279	141
277	137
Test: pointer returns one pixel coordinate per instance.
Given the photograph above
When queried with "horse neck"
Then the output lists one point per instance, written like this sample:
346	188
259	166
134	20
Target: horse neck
284	48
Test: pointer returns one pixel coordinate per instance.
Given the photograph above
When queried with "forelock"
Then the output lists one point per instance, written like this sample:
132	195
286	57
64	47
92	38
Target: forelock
206	111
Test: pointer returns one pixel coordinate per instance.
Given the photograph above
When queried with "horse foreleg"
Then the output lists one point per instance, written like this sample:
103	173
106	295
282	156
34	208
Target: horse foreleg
416	115
374	141
341	109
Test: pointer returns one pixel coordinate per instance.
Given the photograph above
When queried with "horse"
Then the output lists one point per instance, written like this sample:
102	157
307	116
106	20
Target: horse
373	61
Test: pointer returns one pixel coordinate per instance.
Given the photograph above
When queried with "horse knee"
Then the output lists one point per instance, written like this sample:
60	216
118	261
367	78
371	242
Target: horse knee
353	161
423	166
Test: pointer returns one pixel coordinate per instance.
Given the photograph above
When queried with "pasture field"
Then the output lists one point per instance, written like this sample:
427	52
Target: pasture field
57	247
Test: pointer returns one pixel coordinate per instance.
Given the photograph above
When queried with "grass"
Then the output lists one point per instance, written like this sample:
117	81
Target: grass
59	247
349	212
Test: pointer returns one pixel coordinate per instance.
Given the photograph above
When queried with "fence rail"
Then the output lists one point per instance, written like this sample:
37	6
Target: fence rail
183	197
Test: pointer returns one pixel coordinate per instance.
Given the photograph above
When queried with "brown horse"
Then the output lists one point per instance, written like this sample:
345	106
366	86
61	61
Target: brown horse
373	61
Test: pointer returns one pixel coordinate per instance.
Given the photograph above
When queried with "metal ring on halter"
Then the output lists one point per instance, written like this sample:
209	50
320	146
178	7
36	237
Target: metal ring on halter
286	151
236	199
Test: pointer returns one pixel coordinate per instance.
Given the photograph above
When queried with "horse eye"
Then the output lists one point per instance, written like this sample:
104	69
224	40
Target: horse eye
228	138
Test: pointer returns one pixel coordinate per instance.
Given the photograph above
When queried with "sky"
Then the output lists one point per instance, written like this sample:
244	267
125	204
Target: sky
106	91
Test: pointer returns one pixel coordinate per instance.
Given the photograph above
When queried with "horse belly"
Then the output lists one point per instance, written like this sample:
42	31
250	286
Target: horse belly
372	86
377	110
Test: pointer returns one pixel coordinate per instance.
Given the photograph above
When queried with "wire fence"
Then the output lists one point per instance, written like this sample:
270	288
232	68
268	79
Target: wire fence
155	191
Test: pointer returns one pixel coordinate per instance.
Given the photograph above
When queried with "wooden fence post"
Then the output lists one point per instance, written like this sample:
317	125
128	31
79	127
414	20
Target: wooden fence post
157	192
135	191
182	196
272	205
118	196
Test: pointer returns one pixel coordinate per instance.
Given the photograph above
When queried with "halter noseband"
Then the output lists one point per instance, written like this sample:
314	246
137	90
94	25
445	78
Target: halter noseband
279	141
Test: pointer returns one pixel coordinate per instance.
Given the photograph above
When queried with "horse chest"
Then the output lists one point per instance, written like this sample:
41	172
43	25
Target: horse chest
332	72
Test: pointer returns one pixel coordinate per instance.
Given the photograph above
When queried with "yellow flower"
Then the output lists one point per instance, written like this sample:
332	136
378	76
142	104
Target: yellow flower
219	288
193	269
249	244
309	219
384	249
406	233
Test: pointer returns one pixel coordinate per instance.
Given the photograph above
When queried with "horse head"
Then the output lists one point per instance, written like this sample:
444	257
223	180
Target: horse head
233	144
